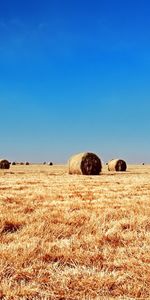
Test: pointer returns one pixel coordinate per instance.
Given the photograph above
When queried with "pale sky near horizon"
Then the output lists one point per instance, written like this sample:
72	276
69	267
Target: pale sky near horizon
75	76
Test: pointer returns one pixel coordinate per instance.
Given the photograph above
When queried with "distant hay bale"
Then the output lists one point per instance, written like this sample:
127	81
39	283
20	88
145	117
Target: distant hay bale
85	163
27	163
4	164
117	165
50	163
13	163
21	163
143	164
44	163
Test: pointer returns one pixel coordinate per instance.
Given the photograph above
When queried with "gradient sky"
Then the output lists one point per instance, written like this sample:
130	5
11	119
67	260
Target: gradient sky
74	76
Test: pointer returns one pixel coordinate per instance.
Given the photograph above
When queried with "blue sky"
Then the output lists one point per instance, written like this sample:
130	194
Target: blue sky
74	76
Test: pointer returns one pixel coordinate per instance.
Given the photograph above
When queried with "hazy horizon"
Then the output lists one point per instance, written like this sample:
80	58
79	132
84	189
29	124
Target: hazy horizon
74	77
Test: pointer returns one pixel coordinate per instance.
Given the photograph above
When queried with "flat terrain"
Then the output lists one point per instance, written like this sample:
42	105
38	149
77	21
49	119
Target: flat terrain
74	237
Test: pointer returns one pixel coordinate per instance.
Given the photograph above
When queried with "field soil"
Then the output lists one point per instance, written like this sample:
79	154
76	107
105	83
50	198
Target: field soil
74	237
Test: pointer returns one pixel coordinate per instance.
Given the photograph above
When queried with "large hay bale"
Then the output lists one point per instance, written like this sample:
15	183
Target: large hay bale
85	163
27	163
117	165
13	163
50	163
4	164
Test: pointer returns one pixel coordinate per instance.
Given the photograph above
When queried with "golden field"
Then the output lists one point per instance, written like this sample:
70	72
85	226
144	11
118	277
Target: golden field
72	236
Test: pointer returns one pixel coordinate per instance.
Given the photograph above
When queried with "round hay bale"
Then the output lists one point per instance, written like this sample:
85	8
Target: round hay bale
27	163
44	163
21	163
85	163
13	163
50	163
117	165
4	164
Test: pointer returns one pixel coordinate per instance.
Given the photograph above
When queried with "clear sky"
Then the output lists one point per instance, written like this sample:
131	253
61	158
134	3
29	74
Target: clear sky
74	76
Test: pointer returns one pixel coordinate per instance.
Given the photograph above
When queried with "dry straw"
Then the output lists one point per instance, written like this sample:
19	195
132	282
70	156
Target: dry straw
4	164
117	165
85	163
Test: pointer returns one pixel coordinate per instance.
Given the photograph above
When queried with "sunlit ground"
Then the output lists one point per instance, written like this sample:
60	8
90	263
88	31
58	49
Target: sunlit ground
72	236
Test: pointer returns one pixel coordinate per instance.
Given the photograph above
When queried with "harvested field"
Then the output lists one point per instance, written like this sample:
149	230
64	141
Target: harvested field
74	237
